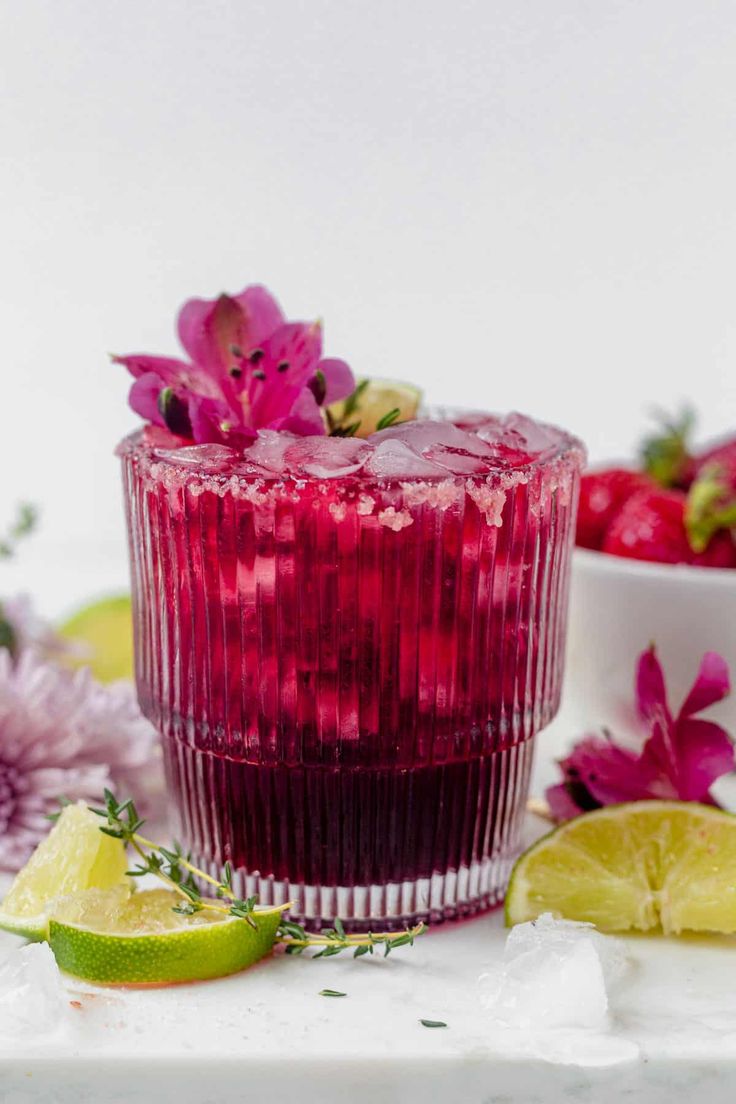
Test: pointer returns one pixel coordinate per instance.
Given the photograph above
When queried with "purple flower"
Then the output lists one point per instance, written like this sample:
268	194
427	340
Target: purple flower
681	758
62	734
248	369
24	628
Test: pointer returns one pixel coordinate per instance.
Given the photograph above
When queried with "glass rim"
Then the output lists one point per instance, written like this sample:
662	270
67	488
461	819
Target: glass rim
569	455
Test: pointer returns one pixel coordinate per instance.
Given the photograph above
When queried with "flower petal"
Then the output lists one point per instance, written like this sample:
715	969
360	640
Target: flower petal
289	361
561	804
338	378
62	733
208	417
711	685
249	371
651	692
304	418
599	772
298	345
262	313
143	398
208	328
702	752
168	369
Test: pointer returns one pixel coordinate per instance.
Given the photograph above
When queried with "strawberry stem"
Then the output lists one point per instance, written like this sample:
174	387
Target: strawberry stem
666	455
709	508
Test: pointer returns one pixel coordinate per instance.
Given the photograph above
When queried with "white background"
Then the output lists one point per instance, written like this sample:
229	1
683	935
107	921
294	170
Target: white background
516	203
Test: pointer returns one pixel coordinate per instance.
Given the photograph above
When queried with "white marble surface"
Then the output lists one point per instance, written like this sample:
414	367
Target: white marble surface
268	1035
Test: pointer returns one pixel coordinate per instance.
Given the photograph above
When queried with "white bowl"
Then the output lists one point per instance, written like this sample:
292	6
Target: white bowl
618	607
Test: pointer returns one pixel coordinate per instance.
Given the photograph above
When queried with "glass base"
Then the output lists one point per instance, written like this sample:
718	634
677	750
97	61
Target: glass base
388	907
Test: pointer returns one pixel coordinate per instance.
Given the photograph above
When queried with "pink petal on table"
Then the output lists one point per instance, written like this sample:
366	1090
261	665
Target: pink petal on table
561	805
704	753
651	692
711	685
599	772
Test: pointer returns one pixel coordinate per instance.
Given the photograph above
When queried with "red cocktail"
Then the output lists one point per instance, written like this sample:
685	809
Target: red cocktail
347	647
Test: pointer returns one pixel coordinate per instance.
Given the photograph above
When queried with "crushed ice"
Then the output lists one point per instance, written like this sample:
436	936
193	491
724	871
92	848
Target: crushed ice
33	1000
550	997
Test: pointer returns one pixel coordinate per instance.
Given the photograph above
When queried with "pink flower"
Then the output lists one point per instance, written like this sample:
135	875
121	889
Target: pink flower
680	760
62	734
248	369
21	627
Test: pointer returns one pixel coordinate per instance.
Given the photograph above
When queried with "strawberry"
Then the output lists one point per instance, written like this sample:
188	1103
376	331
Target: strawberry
719	552
650	526
602	494
674	527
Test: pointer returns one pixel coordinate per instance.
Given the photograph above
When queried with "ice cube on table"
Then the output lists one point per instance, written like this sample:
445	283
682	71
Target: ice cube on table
32	997
550	996
554	973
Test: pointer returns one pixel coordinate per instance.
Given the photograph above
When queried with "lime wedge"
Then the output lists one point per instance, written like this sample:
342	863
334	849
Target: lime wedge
376	399
103	635
74	856
114	937
647	865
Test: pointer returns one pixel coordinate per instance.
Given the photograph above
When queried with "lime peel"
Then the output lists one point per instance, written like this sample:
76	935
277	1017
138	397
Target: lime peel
108	949
75	892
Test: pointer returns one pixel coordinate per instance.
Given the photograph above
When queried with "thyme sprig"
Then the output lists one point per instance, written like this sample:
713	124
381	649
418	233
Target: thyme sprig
344	427
332	941
175	869
24	524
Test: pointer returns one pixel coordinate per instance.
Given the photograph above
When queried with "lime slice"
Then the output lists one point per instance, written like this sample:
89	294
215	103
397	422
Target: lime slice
103	634
117	937
375	400
647	865
74	856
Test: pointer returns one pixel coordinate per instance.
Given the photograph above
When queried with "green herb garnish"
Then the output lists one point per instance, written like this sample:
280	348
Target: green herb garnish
173	867
388	419
24	524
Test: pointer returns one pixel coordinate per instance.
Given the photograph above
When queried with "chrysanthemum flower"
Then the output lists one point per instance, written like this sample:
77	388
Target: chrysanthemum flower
62	734
21	627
